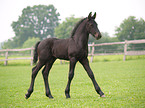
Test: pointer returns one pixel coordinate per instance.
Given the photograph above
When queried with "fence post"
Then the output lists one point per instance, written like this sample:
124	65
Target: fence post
125	50
32	56
62	61
89	49
6	58
92	53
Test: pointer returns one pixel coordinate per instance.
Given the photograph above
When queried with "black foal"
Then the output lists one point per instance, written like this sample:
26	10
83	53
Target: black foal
73	49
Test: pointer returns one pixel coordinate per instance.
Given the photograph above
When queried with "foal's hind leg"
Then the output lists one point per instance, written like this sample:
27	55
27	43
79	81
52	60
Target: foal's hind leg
34	73
45	73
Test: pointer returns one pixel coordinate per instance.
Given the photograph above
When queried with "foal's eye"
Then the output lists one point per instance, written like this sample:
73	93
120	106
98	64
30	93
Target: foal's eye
91	25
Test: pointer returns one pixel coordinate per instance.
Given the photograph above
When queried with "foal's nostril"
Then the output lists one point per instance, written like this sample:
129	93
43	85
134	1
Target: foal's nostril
100	35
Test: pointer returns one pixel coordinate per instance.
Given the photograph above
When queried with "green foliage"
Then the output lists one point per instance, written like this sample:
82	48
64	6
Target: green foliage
131	29
9	44
122	82
64	29
1	44
30	42
37	21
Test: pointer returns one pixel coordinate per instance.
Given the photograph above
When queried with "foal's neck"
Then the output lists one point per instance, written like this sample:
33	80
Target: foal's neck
81	35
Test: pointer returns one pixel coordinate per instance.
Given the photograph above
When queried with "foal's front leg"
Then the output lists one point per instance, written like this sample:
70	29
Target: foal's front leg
70	77
86	66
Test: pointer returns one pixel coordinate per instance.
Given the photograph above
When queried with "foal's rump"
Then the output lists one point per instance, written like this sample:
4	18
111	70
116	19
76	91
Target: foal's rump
45	49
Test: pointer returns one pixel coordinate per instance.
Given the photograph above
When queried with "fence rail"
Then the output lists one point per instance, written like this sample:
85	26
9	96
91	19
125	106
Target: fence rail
21	58
125	53
92	52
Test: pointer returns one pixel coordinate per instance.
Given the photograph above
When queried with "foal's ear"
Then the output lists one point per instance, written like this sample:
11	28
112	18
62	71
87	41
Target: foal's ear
94	16
90	15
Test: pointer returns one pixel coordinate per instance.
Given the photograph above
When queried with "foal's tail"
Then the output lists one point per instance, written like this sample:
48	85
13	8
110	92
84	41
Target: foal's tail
35	57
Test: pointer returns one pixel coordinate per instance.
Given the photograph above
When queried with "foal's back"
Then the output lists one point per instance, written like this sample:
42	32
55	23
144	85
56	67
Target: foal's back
53	47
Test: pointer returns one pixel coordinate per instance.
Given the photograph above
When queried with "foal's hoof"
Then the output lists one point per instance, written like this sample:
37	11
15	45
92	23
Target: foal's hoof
103	96
50	96
26	96
67	96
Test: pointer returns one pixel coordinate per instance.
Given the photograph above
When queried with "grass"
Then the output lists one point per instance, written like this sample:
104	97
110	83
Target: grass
122	82
107	58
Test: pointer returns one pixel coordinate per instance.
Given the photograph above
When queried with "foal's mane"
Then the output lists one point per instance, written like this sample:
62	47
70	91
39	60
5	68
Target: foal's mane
76	26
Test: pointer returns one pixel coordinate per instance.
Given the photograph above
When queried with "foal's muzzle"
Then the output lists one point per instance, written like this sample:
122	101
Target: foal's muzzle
98	35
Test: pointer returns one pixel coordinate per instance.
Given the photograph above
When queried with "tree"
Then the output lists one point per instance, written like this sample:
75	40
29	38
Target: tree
64	29
9	44
37	21
131	29
30	42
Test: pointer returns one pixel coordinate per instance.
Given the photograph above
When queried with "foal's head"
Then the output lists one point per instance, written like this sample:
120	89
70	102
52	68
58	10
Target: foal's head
92	26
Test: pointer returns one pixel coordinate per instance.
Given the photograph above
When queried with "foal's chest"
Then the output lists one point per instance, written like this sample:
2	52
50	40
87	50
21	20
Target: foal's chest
77	52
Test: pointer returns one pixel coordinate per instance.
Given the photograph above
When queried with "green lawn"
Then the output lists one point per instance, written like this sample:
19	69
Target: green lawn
122	82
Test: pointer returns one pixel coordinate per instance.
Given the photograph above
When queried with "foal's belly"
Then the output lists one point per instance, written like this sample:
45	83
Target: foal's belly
60	49
61	55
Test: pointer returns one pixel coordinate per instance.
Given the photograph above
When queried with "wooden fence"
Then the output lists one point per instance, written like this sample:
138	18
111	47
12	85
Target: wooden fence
9	50
92	52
